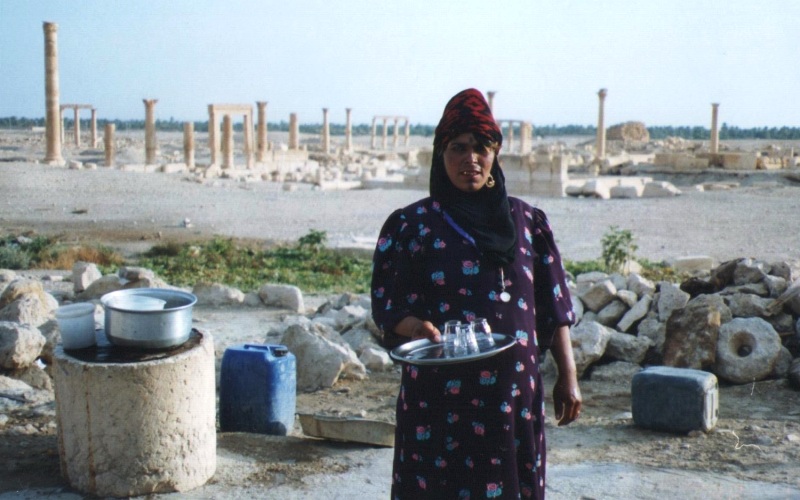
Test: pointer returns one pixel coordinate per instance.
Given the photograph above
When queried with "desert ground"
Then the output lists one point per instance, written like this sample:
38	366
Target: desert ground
752	453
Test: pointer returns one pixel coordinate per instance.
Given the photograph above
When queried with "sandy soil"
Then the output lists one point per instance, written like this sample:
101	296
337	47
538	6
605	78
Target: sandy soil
757	436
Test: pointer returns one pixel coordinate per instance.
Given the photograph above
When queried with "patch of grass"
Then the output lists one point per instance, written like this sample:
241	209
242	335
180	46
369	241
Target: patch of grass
64	257
308	264
43	252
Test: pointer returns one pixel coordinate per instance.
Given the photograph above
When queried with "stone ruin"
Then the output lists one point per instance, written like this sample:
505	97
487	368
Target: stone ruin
623	151
628	132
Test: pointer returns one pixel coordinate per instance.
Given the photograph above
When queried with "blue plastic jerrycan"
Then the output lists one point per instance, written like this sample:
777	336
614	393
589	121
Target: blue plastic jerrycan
258	389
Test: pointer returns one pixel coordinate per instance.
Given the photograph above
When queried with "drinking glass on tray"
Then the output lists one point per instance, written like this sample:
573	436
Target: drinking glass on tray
483	333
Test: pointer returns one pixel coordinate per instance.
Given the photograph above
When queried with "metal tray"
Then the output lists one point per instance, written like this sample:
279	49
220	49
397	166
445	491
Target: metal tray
425	352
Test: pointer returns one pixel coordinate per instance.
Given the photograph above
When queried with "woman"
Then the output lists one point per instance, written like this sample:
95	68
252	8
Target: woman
473	430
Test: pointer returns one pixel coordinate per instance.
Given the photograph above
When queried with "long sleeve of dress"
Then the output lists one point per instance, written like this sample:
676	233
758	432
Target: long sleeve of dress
551	289
395	288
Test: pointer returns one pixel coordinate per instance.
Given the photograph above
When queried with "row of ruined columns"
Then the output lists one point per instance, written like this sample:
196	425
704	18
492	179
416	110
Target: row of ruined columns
600	148
385	119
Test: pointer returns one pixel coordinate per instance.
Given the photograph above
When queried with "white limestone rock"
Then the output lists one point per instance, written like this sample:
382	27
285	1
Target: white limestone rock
589	341
83	275
635	313
660	189
320	360
640	285
376	359
107	284
284	296
349	316
745	305
625	192
217	294
599	295
360	339
586	280
612	313
627	297
671	297
626	347
20	345
655	331
33	309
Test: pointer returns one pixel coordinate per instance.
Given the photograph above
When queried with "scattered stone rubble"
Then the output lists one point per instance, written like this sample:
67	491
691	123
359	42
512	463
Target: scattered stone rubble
739	320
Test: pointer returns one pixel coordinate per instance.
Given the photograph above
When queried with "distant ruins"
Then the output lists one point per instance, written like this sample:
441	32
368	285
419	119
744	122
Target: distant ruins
619	163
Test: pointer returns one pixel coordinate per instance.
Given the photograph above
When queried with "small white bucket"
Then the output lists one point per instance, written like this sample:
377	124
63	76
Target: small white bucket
76	322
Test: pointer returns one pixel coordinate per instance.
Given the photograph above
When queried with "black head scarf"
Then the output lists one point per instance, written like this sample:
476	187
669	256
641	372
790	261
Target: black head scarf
485	214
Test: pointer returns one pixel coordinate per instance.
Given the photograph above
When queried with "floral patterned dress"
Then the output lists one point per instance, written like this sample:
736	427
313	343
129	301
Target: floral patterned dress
470	430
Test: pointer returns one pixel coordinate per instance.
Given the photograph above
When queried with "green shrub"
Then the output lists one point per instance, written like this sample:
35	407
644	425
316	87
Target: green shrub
618	249
14	257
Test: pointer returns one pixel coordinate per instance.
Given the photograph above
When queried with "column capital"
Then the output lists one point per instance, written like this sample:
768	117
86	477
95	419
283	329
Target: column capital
261	104
50	27
714	104
602	93
149	102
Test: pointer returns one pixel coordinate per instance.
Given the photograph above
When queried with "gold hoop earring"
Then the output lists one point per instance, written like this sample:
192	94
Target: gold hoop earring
490	182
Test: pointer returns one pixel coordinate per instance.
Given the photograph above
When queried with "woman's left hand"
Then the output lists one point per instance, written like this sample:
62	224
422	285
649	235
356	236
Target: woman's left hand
567	399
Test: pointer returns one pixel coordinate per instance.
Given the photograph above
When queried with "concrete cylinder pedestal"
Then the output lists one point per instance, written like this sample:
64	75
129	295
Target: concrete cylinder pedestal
134	428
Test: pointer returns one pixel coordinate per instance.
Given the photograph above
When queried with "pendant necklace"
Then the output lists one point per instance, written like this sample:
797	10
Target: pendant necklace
504	296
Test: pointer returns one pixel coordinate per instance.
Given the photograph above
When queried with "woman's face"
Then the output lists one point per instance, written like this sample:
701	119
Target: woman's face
467	162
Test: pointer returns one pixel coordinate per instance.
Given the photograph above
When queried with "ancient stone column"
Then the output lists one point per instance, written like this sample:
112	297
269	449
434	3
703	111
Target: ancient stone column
385	132
396	133
94	128
490	98
510	136
77	130
408	132
188	144
227	142
213	135
294	132
52	108
372	137
248	139
261	133
600	149
108	142
526	134
150	146
348	132
326	132
714	128
63	125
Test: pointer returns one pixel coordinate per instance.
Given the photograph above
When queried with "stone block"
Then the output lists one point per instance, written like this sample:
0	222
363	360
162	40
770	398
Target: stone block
139	428
599	295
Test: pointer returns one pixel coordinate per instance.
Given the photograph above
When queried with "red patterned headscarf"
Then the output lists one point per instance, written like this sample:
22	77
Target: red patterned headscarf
467	111
485	214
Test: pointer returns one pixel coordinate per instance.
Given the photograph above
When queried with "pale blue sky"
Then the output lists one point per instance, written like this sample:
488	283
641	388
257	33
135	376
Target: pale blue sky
663	62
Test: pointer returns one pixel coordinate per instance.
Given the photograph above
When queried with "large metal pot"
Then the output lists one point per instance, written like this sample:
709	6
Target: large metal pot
148	329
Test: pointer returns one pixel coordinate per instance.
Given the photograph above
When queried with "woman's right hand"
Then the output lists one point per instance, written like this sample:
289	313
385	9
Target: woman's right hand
416	329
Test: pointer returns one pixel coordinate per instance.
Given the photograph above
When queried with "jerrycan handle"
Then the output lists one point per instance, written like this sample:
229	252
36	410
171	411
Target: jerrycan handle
277	350
257	347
